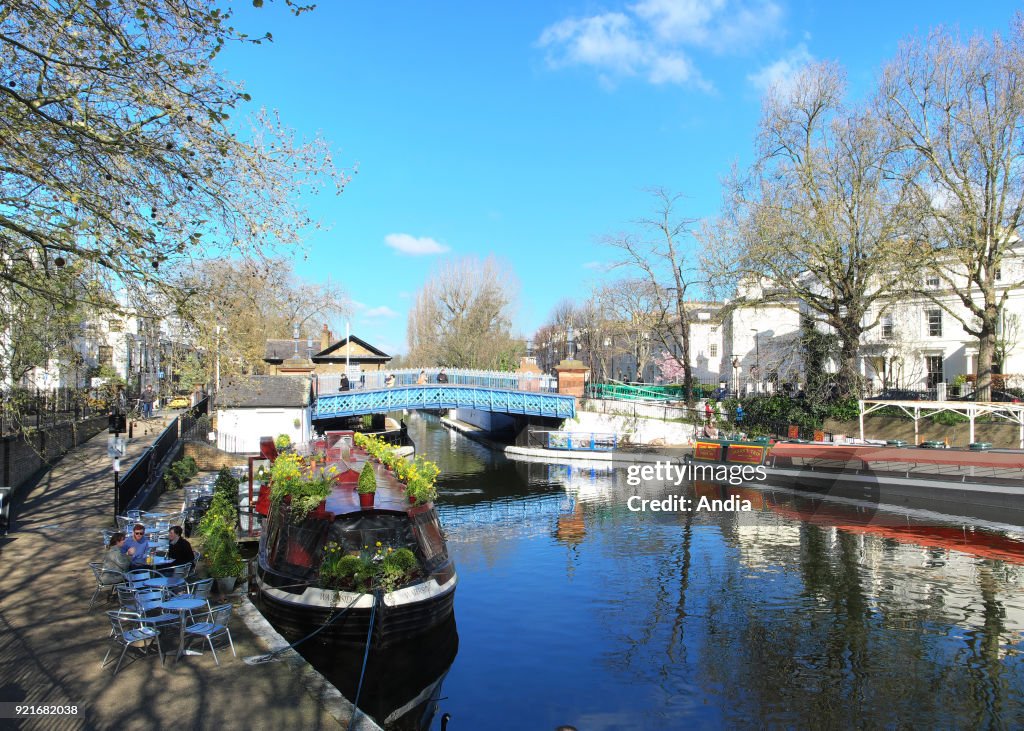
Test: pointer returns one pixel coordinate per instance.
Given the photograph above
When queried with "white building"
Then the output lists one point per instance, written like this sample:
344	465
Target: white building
138	349
250	407
920	342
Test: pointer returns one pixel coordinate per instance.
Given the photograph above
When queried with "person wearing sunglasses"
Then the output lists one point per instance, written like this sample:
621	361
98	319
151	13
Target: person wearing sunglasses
140	543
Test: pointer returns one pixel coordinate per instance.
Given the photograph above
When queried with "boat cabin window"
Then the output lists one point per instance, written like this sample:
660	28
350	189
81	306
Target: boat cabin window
428	534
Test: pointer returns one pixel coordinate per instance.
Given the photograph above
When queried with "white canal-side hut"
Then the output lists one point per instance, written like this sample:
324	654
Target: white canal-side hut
250	407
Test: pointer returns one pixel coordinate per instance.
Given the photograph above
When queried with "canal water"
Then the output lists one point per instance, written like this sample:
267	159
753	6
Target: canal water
573	609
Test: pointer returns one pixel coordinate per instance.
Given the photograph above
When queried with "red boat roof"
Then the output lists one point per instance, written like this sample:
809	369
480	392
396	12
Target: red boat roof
877	455
344	498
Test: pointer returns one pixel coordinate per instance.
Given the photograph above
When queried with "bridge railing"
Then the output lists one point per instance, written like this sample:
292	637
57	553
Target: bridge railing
579	441
328	383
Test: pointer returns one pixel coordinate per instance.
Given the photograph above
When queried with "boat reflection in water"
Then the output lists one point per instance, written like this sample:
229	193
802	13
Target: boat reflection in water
402	685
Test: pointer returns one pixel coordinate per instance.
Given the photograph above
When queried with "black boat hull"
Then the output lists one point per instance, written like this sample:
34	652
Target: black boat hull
295	617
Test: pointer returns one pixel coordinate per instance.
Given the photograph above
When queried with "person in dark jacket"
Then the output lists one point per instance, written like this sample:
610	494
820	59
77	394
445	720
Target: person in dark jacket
442	377
179	549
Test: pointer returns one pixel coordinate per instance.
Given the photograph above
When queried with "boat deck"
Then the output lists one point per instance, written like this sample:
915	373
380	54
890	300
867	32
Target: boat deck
953	464
344	498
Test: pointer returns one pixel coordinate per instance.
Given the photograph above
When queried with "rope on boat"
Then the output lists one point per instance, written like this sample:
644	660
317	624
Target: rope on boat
378	597
276	654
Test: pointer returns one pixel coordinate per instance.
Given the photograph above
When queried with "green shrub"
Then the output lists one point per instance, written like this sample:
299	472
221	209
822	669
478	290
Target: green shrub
226	484
949	418
367	480
403	559
381	567
283	441
180	472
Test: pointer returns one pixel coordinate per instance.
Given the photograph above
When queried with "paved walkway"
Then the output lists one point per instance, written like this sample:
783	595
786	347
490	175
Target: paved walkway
51	645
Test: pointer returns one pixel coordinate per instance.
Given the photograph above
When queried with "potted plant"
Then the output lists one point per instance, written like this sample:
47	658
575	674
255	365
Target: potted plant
367	486
222	556
283	442
220	545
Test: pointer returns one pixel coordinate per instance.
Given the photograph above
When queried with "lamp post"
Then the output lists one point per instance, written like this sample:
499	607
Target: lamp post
736	373
757	356
216	359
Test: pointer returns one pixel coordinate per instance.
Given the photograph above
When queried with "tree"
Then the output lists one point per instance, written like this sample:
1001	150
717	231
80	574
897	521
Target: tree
118	158
636	312
236	306
955	109
462	317
670	275
816	220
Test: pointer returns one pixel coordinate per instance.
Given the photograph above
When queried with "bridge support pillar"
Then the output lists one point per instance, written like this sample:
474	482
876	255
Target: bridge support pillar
572	377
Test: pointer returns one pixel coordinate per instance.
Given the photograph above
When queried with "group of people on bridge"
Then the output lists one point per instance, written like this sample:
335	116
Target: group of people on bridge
389	380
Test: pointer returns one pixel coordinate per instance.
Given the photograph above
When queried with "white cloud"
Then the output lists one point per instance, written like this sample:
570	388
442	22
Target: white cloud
414	245
782	73
595	265
651	37
382	311
606	41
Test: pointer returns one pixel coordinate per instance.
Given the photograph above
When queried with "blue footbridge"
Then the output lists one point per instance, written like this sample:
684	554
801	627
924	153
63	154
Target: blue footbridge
501	393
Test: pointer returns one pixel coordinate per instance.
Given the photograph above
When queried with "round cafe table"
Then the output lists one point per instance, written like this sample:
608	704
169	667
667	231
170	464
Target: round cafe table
164	582
182	605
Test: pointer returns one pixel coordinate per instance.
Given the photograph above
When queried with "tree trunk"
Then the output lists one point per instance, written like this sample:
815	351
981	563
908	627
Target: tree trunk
848	378
986	354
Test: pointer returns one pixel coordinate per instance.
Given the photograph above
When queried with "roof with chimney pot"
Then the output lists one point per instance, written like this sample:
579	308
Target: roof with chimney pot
357	350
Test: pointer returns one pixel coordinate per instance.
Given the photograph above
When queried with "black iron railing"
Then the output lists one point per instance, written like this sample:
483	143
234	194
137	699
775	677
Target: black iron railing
195	422
22	408
144	470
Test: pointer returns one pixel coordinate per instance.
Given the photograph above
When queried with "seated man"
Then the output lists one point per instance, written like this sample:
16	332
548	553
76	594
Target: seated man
179	549
140	543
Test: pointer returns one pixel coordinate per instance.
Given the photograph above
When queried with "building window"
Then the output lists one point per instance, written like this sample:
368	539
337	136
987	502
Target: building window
933	366
934	320
887	326
713	350
932	282
106	355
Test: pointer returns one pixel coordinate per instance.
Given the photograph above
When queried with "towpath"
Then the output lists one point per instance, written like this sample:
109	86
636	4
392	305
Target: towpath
51	644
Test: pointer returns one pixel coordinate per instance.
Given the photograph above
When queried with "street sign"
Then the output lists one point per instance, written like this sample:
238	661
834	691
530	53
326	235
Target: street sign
115	447
117	466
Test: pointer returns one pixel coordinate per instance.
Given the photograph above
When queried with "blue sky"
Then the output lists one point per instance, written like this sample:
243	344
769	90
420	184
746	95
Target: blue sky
529	130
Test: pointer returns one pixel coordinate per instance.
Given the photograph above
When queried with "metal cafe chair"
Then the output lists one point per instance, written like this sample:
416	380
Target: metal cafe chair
128	630
194	566
135	577
201	590
106	580
214	626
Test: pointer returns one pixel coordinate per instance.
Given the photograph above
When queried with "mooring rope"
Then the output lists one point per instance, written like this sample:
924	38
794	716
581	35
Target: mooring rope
271	656
377	597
